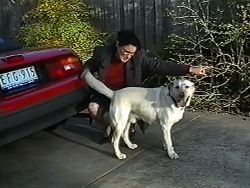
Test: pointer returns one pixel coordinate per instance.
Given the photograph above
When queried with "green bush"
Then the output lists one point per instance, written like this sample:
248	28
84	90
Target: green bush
61	23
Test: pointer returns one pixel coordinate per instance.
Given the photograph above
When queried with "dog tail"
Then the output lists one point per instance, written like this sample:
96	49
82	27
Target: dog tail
96	84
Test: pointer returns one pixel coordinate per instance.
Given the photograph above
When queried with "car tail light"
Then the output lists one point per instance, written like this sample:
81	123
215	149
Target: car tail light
64	67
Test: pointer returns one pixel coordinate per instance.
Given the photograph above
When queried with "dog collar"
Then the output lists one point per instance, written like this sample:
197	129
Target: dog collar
175	103
173	99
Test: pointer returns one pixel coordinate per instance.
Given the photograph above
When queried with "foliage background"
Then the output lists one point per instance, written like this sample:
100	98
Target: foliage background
222	45
61	23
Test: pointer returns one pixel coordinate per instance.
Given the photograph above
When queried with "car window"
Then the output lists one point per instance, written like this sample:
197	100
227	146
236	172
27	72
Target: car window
7	44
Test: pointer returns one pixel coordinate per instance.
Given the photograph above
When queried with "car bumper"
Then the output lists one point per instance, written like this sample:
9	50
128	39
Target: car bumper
18	124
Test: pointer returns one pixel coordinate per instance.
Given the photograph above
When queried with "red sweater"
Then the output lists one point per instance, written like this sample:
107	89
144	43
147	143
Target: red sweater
116	75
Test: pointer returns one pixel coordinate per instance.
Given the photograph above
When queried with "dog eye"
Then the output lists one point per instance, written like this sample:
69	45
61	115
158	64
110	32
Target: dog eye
187	87
177	87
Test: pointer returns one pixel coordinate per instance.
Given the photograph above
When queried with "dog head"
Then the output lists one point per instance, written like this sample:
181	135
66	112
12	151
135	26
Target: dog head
181	91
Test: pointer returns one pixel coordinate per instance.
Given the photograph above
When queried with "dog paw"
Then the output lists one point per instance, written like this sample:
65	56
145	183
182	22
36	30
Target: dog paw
173	155
121	156
133	146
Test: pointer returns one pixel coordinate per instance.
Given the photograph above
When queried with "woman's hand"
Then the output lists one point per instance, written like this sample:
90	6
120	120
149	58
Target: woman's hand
199	71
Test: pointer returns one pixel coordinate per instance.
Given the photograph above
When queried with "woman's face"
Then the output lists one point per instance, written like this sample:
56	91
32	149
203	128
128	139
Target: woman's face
125	53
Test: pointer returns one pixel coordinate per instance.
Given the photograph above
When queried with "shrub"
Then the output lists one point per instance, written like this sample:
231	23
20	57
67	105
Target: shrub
206	38
61	23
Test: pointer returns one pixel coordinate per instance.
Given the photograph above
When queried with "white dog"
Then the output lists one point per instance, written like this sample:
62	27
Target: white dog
163	105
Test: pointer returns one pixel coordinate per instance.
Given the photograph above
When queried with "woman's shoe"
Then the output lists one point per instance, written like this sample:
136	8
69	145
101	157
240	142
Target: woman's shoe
132	131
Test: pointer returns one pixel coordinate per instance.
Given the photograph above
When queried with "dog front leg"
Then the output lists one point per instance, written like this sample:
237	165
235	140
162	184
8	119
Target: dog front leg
167	141
116	141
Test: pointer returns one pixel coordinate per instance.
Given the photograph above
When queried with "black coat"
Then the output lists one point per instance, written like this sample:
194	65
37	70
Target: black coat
138	64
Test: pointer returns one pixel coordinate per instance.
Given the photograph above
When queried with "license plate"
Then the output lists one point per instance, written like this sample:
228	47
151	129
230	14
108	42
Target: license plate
18	78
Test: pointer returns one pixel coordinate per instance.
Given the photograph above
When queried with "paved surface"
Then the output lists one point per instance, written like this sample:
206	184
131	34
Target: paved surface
214	152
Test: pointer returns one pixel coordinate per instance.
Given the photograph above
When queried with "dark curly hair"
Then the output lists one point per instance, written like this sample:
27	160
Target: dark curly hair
126	37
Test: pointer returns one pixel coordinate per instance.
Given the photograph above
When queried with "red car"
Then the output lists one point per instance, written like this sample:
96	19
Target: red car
38	89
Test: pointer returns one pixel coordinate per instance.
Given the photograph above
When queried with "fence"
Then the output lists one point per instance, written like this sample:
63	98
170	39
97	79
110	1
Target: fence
148	18
11	12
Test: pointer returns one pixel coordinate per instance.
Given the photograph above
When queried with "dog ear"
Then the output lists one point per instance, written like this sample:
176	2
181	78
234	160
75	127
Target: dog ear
170	86
188	101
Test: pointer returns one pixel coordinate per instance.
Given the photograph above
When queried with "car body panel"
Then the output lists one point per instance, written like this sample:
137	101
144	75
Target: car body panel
39	96
24	122
32	56
56	94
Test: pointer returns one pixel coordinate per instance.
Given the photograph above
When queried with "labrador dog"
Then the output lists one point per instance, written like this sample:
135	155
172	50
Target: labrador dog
162	105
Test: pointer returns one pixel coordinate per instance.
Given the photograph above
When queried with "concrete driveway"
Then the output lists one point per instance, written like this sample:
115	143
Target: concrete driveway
214	152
